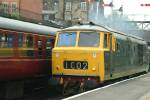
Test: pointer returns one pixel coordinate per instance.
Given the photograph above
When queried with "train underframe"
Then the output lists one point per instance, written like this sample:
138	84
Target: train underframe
67	85
17	89
22	78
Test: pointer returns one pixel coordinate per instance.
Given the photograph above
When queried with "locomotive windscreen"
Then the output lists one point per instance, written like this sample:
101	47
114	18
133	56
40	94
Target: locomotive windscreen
67	39
89	39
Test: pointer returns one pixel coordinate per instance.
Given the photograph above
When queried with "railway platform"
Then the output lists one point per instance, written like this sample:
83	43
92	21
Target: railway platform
137	88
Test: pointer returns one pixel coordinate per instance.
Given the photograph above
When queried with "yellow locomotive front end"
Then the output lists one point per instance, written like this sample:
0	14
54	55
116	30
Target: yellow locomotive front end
78	56
77	62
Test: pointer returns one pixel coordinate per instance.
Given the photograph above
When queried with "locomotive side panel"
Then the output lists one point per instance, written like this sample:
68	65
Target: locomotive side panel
129	57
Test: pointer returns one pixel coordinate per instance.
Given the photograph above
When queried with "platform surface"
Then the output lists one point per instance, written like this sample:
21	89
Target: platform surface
134	89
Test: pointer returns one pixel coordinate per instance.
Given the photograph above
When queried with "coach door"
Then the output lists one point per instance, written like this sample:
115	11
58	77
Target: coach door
39	46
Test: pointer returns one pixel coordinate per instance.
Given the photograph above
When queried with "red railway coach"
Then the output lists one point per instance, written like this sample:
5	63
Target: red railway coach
25	52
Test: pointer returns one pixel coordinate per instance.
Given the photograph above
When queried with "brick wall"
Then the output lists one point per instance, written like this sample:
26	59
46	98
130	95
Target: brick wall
31	9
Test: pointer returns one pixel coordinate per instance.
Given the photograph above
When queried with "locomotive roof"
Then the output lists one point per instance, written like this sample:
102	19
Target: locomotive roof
137	37
16	25
91	27
86	27
99	28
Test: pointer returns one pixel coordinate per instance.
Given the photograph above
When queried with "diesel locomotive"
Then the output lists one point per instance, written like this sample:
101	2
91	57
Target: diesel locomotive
87	55
25	55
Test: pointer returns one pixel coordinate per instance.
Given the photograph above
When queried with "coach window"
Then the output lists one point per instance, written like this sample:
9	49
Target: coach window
49	44
20	40
49	47
1	40
40	47
6	40
10	38
29	44
29	41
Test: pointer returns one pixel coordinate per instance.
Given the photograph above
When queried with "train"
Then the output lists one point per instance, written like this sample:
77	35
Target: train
25	55
86	55
149	56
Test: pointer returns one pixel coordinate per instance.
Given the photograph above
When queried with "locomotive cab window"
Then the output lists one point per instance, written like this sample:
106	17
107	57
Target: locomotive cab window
67	39
89	39
105	41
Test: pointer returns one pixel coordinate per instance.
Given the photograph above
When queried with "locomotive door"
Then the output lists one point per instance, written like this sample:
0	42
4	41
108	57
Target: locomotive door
109	44
111	54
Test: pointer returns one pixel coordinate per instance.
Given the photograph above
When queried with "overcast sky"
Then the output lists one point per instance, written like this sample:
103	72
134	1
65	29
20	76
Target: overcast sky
131	7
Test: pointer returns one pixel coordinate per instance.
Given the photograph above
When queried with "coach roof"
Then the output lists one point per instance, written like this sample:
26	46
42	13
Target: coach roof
16	25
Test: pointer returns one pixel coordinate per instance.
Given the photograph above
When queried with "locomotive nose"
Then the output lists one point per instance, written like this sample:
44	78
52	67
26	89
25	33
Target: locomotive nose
75	62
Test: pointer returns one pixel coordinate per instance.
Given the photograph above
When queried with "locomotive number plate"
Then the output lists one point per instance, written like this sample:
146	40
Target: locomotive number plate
76	65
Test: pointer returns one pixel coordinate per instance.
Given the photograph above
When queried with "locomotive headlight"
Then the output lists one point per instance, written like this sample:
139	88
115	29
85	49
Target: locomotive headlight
94	54
93	69
58	67
57	55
